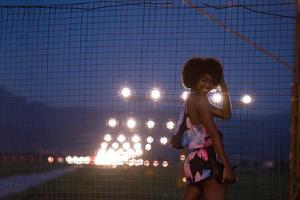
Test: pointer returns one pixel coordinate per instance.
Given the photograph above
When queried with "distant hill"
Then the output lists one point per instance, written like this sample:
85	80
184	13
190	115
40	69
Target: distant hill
37	128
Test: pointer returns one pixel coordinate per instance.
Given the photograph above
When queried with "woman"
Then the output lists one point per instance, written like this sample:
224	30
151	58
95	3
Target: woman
207	168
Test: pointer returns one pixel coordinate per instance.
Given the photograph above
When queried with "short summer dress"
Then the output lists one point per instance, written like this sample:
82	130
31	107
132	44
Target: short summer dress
201	159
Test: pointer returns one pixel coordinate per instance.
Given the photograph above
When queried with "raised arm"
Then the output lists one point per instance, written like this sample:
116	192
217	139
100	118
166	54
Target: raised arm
225	111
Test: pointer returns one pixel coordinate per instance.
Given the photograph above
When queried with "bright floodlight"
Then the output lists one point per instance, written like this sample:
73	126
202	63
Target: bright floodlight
112	122
126	92
121	138
115	145
182	157
104	145
150	124
131	123
50	159
146	163
126	145
137	146
155	163
148	147
217	98
150	139
170	125
165	163
155	94
107	137
184	95
163	140
136	138
246	99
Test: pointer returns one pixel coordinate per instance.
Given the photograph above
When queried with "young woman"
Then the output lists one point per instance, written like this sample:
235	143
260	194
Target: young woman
207	168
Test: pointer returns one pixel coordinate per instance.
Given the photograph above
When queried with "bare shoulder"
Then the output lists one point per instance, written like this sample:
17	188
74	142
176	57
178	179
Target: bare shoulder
198	102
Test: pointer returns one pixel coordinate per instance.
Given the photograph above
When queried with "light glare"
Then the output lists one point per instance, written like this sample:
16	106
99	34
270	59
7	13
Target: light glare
184	95
155	94
150	139
131	123
126	92
170	125
121	138
115	145
246	99
150	124
163	140
107	138
217	98
136	139
112	122
148	147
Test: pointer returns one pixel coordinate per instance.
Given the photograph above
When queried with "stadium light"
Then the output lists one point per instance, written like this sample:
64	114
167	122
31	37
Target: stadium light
184	95
150	124
163	140
217	98
115	145
135	138
137	146
165	163
246	99
104	145
50	159
121	138
149	139
107	137
155	94
126	92
148	147
131	123
182	157
155	163
146	163
126	146
112	122
170	125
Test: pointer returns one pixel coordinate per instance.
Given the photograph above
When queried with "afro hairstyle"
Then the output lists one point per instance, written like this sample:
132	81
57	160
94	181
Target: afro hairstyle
195	67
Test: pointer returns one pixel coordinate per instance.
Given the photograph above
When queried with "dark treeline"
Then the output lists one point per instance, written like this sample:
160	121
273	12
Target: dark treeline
37	128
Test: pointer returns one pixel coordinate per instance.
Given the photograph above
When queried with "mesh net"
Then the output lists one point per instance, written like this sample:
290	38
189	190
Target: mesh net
62	70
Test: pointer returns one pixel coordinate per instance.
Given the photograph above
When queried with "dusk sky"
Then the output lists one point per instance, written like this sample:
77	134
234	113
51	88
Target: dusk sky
74	57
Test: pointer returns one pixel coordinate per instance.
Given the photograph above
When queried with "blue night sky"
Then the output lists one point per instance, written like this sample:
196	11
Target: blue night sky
80	55
74	57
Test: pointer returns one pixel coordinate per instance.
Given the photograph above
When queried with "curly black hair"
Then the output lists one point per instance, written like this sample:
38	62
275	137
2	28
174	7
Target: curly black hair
195	67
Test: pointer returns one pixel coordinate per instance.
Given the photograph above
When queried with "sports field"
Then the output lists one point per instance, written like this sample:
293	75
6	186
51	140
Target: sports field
90	182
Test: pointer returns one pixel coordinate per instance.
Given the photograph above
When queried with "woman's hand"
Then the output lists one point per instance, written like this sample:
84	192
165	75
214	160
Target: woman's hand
228	175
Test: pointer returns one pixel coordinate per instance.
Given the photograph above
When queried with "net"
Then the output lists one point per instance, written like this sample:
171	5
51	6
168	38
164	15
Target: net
63	68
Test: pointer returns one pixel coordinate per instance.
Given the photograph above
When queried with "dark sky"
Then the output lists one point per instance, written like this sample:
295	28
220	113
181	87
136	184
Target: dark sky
81	55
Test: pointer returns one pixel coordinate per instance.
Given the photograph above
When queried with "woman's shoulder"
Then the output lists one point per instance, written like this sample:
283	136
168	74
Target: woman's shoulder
196	100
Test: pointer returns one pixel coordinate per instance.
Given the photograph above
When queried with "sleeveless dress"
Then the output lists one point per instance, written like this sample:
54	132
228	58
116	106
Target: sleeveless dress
201	159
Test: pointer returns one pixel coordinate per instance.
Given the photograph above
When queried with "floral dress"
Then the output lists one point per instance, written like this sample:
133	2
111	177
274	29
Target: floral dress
201	159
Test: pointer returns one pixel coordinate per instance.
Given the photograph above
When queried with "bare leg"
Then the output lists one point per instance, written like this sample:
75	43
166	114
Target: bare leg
191	192
213	190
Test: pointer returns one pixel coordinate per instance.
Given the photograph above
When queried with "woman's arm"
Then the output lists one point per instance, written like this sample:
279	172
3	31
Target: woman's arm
208	122
225	111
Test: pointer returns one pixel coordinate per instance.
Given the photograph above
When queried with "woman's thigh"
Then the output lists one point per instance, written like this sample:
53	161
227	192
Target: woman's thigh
192	192
212	190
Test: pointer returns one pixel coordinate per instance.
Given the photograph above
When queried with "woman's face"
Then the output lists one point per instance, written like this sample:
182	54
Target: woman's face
205	84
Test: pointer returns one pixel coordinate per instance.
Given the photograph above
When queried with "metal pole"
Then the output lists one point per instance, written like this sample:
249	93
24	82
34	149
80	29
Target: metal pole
294	164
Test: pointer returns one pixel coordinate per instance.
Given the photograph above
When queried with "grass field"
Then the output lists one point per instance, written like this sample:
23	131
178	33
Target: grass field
10	169
90	182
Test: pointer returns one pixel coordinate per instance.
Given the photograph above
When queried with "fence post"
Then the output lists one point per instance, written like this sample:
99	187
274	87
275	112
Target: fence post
294	162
